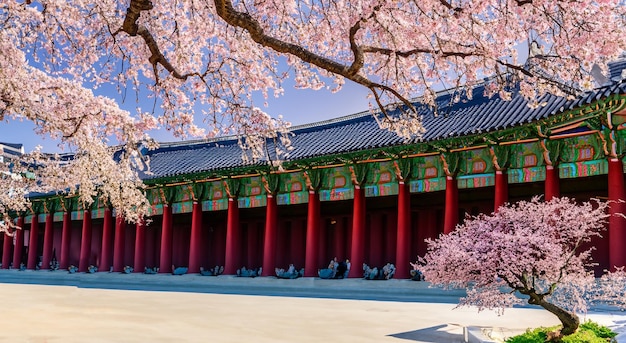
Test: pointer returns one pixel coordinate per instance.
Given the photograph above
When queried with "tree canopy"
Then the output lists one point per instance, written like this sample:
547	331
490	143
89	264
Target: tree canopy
203	61
532	251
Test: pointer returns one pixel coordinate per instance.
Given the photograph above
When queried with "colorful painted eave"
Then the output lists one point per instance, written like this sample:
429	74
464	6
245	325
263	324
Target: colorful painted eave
356	138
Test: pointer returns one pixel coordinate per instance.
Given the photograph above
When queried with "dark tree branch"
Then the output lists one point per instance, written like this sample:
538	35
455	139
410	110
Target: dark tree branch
408	53
133	12
78	122
157	57
521	69
130	26
356	50
450	7
243	20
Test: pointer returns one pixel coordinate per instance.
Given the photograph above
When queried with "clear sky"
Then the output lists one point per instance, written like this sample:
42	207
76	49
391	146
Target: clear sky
296	105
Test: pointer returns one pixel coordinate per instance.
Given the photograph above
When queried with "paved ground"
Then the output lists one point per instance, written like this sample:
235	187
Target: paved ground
192	308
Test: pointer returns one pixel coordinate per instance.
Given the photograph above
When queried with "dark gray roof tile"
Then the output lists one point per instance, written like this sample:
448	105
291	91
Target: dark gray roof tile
360	131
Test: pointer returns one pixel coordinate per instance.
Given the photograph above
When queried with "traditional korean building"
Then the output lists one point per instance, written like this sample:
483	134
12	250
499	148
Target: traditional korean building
348	189
9	151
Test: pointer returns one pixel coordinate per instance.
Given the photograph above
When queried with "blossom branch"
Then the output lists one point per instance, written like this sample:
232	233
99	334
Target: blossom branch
131	27
243	20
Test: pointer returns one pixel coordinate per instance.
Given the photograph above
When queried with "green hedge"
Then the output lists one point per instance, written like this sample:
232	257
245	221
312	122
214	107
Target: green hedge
588	332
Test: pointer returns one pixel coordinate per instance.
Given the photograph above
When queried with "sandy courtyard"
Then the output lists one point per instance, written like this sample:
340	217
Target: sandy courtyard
36	313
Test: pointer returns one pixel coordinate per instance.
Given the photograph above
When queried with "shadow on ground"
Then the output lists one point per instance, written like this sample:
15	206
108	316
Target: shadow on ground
433	334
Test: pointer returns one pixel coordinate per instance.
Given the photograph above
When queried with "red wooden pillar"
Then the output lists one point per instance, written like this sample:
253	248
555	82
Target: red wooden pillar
107	241
165	257
617	223
552	189
139	261
195	242
33	243
312	235
19	246
66	236
85	242
502	189
47	241
119	244
269	242
403	240
451	216
19	243
232	238
358	233
7	249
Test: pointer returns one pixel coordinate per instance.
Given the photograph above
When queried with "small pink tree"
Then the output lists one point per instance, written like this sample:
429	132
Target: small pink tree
531	251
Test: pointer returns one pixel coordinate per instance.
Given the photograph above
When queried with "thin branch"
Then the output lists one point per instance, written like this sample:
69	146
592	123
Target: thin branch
79	122
521	69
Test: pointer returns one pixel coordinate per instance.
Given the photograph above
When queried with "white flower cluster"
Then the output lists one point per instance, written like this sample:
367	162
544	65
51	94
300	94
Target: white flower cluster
406	125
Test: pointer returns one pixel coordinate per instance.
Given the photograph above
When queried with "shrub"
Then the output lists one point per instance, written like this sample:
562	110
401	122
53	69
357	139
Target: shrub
599	330
531	336
588	332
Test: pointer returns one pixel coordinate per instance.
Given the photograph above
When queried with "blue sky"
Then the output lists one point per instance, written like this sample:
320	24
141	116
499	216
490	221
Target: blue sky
296	105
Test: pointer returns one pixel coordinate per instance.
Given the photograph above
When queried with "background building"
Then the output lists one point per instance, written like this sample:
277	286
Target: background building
9	151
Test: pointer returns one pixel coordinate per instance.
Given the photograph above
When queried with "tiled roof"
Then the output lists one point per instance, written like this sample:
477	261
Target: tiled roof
12	152
615	69
361	132
191	157
12	145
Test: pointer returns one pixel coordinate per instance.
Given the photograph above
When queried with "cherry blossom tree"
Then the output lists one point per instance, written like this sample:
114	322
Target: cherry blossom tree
204	61
13	195
532	251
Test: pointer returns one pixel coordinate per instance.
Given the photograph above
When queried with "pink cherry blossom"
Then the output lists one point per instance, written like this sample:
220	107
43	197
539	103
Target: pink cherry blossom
203	61
529	252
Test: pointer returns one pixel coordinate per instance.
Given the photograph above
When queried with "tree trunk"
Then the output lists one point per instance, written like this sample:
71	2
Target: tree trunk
569	320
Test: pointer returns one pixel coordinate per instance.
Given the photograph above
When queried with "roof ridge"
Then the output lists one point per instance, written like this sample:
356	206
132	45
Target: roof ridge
352	116
199	141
